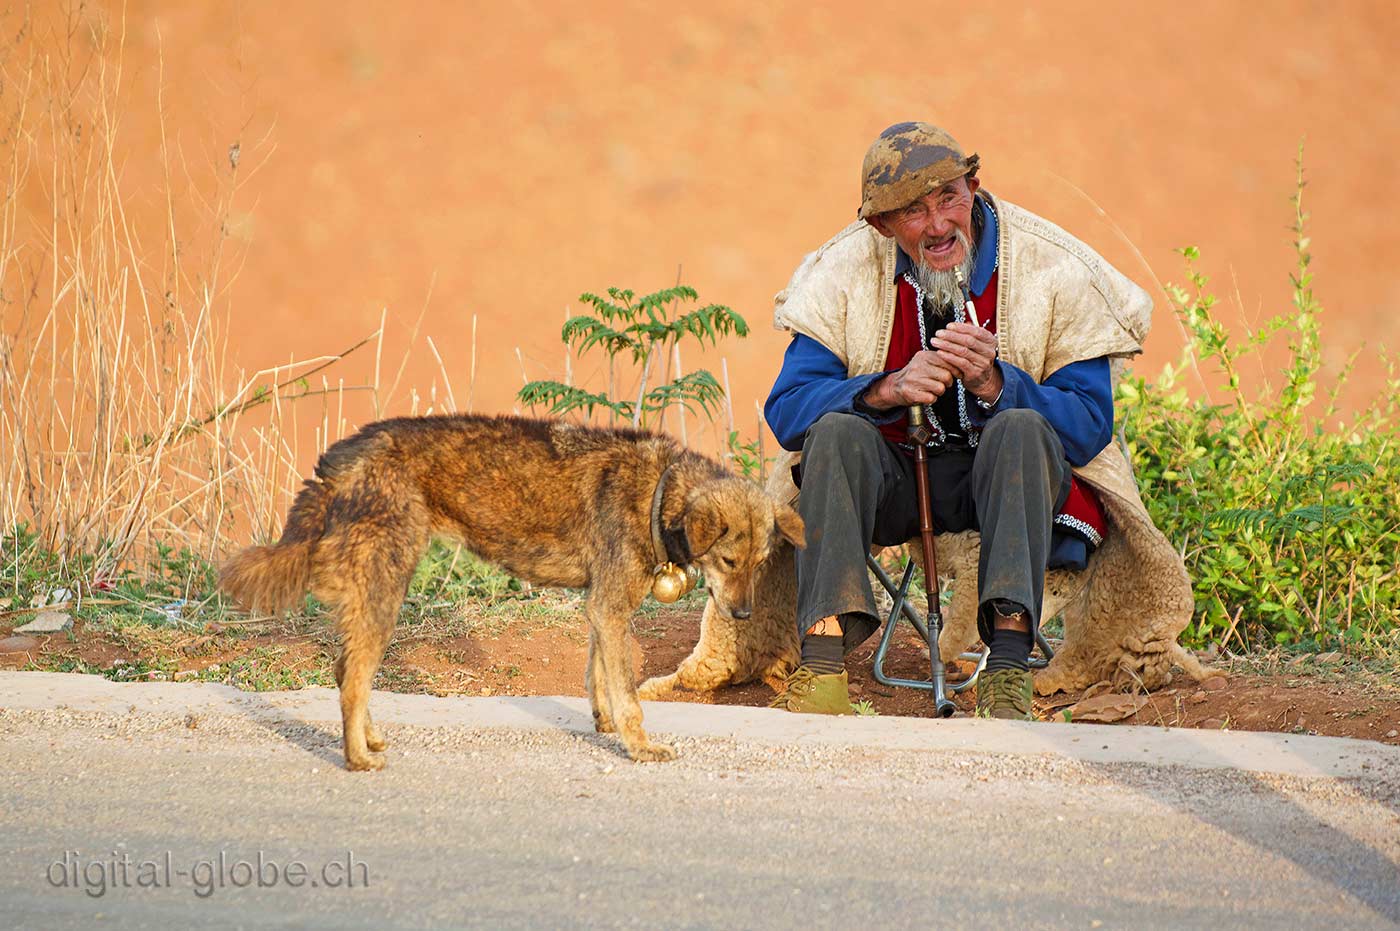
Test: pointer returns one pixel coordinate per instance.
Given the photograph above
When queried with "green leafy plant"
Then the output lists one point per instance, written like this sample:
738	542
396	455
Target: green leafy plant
448	575
748	457
1289	521
645	330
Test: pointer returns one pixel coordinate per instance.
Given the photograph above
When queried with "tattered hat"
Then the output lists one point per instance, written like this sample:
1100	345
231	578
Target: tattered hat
908	161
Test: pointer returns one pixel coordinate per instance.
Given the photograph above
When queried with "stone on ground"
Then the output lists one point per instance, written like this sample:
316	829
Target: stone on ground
48	622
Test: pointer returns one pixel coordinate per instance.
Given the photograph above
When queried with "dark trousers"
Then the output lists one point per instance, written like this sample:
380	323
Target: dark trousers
859	489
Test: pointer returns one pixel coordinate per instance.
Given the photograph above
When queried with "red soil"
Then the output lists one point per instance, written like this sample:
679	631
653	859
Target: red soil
550	661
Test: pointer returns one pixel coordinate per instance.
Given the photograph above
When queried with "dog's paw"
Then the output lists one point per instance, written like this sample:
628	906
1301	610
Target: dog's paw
655	687
369	763
652	753
602	723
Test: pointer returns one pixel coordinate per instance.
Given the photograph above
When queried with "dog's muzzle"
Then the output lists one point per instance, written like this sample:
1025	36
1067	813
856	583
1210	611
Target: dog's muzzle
739	614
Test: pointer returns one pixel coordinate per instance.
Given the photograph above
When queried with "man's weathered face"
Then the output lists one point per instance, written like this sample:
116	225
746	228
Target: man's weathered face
927	229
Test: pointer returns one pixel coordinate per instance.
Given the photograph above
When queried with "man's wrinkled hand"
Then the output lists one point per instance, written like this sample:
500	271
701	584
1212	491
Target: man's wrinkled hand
922	381
971	353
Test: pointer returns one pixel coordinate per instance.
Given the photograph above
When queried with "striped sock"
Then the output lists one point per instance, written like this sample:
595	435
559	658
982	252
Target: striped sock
823	655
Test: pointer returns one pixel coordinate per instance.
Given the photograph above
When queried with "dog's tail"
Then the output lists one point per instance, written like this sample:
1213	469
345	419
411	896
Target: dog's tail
273	578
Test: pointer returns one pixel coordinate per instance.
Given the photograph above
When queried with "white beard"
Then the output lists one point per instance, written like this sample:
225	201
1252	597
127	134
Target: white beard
941	287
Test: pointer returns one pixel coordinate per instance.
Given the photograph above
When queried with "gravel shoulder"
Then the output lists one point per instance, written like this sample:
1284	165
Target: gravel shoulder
1281	754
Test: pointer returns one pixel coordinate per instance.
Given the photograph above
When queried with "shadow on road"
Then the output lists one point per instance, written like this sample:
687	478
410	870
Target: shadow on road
559	715
1368	874
319	740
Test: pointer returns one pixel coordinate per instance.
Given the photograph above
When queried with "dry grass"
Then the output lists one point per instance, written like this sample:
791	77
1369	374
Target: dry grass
112	370
126	428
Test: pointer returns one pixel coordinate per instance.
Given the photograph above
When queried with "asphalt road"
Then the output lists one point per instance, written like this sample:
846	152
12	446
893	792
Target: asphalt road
504	827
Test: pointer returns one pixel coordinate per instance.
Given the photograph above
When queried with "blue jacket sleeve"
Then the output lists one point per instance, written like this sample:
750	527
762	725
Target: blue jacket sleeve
1077	401
813	382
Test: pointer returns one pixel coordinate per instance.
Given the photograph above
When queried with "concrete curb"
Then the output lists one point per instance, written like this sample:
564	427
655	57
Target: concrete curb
1303	756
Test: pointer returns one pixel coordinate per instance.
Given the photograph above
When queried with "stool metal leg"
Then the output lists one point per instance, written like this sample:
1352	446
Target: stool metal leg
1047	653
937	683
903	604
900	596
970	681
900	592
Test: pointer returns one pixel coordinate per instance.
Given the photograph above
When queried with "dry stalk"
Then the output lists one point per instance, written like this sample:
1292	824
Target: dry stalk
128	427
680	404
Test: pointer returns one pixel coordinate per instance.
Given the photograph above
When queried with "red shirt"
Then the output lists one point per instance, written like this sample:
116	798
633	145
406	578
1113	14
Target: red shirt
1082	508
904	342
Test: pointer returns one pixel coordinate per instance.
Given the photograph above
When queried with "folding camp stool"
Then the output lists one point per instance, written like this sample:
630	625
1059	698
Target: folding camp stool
943	704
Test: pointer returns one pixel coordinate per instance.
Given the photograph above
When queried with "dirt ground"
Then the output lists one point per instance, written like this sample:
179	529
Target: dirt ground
1329	695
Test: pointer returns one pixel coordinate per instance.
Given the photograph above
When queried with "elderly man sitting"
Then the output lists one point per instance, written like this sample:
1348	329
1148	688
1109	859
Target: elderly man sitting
1019	401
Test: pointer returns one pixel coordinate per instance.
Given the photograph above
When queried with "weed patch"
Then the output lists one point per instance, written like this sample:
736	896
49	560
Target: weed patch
1289	522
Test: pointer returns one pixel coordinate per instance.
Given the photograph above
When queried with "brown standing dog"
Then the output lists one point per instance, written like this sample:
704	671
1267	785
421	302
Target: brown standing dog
552	503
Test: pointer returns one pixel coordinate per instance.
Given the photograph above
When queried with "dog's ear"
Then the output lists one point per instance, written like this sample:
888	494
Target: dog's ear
789	526
704	524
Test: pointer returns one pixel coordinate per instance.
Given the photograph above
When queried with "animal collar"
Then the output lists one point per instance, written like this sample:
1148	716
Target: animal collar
667	545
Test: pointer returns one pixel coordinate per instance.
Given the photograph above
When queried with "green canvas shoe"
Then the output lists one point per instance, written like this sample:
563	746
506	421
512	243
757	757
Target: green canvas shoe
808	693
1005	693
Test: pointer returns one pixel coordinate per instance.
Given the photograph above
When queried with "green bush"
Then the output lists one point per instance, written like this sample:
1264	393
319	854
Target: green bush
1289	522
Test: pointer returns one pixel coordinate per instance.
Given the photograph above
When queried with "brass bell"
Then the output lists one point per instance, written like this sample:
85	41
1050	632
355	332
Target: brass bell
693	575
669	583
